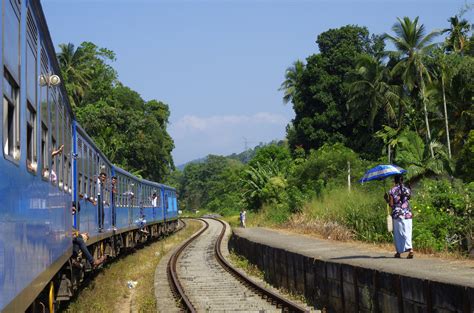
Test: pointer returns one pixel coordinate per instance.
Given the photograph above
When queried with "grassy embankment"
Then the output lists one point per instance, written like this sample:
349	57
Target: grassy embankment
361	215
108	292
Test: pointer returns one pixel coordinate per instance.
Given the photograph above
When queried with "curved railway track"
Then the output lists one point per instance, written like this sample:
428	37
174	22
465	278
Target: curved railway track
203	280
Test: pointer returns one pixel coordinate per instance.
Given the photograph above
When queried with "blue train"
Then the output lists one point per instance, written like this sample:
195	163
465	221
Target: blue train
49	162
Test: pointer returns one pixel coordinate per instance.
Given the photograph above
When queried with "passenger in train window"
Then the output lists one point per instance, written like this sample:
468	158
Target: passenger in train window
32	166
114	194
75	208
101	181
53	176
154	203
57	152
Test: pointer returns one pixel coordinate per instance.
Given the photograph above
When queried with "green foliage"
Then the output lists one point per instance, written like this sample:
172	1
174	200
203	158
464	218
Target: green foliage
443	214
263	184
212	185
327	165
275	154
415	157
129	130
321	91
458	31
465	164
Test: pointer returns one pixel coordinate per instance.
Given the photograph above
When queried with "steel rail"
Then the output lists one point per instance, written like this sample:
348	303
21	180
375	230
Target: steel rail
176	286
286	305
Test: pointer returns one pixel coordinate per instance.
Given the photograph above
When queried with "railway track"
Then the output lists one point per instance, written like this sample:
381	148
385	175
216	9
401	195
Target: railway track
203	280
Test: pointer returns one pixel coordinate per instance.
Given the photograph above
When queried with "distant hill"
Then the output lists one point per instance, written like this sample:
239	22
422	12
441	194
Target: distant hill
200	160
244	156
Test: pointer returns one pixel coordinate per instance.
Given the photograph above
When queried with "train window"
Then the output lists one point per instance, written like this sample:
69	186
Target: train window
120	191
31	74
54	134
91	174
85	163
11	39
44	151
45	156
60	157
135	195
69	154
11	118
31	152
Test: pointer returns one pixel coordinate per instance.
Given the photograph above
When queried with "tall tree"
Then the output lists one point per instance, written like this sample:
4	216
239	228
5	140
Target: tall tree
292	74
372	92
458	34
130	131
322	91
412	45
75	72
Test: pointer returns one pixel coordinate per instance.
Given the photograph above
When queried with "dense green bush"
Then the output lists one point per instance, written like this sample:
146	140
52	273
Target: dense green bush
328	165
465	164
443	215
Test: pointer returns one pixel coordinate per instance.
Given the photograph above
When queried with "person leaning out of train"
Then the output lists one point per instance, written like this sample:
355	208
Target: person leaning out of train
87	198
79	244
46	173
100	188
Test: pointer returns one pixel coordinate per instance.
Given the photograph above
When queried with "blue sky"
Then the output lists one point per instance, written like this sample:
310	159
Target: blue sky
218	63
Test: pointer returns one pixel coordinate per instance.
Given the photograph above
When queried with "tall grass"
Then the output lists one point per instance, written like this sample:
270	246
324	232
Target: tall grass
269	216
342	215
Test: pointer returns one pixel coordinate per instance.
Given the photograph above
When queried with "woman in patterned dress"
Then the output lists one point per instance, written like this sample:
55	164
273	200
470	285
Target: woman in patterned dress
402	217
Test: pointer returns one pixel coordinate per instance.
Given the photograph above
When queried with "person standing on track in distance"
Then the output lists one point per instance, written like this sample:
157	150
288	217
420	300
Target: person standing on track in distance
402	217
243	214
101	180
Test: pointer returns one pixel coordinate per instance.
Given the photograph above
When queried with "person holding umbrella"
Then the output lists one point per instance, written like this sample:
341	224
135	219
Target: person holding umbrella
398	199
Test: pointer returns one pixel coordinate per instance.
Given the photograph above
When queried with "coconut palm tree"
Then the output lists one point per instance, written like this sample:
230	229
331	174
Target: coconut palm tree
412	46
414	156
75	71
458	34
291	77
371	90
445	67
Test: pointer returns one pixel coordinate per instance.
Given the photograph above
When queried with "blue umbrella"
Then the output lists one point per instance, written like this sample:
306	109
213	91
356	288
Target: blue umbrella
381	172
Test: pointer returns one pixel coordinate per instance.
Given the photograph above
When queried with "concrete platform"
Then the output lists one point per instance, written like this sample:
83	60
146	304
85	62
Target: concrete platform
347	277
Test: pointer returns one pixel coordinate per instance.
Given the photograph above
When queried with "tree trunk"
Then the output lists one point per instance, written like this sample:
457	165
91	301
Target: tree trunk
446	117
428	132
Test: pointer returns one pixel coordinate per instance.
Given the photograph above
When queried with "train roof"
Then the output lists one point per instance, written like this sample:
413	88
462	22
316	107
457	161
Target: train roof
144	181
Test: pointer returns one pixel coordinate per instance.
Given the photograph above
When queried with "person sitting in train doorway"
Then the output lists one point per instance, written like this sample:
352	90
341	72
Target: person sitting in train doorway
141	222
79	245
101	180
114	193
243	216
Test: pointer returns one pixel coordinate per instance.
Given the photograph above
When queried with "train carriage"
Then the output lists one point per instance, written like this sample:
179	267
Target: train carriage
35	223
48	161
89	162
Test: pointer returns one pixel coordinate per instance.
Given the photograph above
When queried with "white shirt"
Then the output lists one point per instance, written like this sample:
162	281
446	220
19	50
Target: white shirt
154	202
98	186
